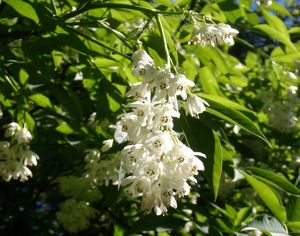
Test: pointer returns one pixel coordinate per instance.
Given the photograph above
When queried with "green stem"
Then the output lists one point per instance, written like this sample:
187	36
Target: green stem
258	50
98	5
54	7
100	44
160	27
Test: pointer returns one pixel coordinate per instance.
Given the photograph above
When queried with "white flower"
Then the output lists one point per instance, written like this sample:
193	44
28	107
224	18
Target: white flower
159	143
166	194
30	158
11	129
23	136
163	117
264	2
140	91
126	128
156	164
141	57
214	34
151	168
195	105
148	201
23	173
132	155
148	72
227	33
161	84
179	86
143	110
107	144
137	185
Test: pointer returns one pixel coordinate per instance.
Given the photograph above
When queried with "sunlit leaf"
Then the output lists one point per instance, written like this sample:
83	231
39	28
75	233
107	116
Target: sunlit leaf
277	179
23	8
269	197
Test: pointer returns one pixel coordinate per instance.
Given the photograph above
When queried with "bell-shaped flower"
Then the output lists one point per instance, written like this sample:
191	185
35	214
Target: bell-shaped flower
23	136
140	91
30	158
11	129
136	185
179	86
127	128
107	145
159	143
132	155
143	110
195	105
164	116
141	57
227	33
161	85
147	72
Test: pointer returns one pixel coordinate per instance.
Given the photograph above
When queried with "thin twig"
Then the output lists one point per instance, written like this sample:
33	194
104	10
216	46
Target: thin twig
54	7
160	27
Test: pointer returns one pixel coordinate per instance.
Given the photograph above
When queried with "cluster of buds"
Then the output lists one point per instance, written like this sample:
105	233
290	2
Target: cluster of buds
75	215
213	34
15	154
282	114
98	170
155	164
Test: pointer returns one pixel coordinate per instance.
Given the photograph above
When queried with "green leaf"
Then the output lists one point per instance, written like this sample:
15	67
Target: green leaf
209	143
23	75
41	100
275	22
267	224
268	196
277	35
216	165
241	216
237	118
64	128
29	122
215	100
277	179
23	8
275	6
289	56
208	81
294	225
293	209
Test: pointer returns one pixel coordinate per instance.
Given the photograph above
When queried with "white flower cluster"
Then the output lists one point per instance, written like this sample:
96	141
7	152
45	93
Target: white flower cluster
213	34
101	172
16	155
264	2
158	165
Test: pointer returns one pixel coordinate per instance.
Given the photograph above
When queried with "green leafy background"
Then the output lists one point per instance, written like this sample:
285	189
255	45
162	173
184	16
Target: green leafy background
62	60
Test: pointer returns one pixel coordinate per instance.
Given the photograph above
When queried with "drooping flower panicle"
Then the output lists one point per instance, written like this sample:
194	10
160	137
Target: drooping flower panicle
15	154
213	34
157	164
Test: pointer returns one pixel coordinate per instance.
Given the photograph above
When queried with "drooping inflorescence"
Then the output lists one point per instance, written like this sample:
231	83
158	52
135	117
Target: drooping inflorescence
157	164
15	154
213	34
